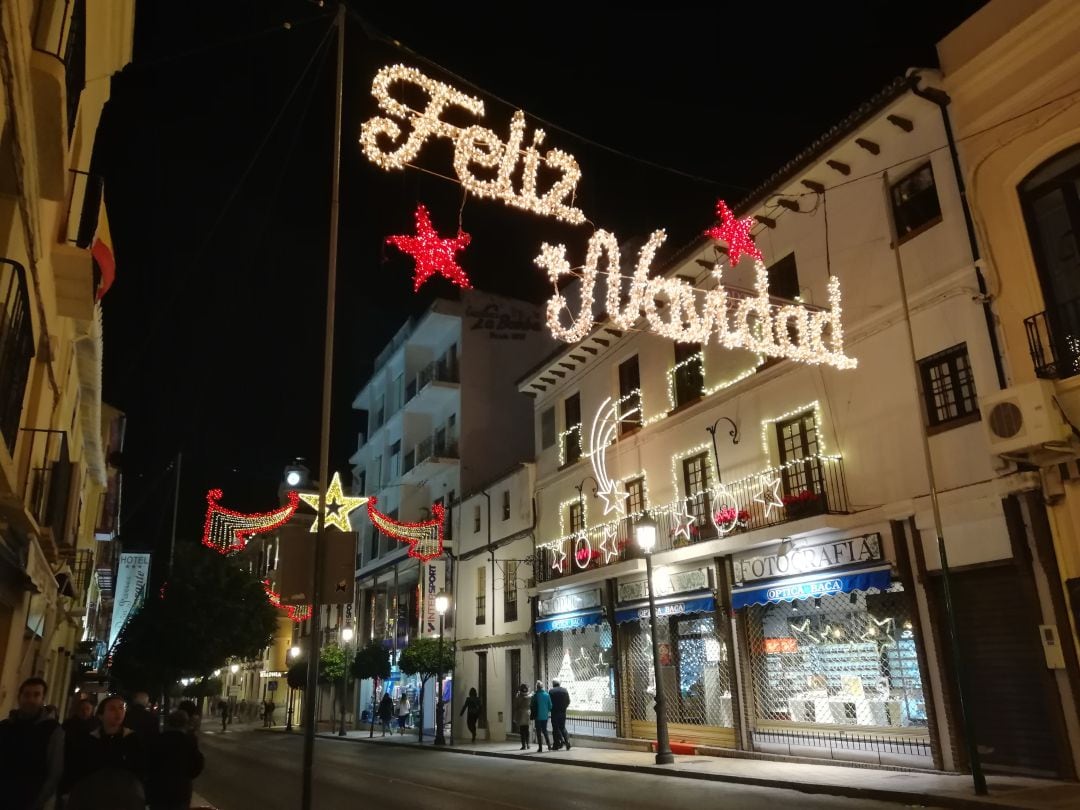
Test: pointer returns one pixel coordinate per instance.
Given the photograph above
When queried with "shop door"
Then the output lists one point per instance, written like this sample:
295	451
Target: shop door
482	687
1011	695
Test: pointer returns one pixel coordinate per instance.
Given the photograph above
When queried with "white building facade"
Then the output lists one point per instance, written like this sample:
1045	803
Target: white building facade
442	388
798	580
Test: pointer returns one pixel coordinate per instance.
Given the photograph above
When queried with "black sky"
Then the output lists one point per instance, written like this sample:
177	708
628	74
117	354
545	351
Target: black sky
214	328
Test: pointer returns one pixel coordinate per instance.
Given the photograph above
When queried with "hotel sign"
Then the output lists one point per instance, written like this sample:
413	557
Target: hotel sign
810	559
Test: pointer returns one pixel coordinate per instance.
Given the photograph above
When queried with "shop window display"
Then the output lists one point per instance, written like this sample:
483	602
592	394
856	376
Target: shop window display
840	659
581	660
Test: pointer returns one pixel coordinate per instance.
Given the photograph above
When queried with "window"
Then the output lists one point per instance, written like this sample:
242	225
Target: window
374	546
635	503
688	376
629	396
506	504
915	202
801	475
784	278
696	481
395	460
577	517
572	412
547	428
949	388
450	502
510	593
476	519
481	595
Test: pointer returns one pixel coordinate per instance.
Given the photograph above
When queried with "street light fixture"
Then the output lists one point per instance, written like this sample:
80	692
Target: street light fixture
645	535
234	668
346	637
442	604
293	478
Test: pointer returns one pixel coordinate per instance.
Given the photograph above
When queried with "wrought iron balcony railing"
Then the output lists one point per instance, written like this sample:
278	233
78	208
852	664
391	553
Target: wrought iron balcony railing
16	348
1054	340
804	488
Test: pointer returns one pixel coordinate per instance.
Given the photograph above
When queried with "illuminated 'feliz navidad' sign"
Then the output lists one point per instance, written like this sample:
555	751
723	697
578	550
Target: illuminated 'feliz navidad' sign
738	319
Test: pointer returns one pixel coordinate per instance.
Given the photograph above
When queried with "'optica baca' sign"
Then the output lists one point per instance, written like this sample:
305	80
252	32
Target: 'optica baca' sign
808	559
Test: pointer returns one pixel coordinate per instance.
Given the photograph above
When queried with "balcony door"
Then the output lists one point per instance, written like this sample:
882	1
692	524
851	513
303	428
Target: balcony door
798	443
1051	201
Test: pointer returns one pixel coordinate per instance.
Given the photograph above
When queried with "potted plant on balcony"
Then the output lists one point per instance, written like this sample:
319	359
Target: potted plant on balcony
802	503
729	519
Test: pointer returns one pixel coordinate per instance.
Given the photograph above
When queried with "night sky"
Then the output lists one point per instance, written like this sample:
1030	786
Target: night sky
219	204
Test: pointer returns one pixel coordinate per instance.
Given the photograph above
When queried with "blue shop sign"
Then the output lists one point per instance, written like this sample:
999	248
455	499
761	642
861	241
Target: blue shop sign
570	621
789	590
670	607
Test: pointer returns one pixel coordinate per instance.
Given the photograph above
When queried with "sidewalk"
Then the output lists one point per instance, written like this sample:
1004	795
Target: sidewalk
905	787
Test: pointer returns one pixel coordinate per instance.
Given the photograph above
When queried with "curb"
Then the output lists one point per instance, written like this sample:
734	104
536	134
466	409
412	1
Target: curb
843	791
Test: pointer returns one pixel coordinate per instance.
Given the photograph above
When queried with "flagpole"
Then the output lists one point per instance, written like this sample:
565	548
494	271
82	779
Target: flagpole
324	440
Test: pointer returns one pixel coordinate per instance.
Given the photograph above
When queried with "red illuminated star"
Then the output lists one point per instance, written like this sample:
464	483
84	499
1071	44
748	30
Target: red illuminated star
432	253
736	232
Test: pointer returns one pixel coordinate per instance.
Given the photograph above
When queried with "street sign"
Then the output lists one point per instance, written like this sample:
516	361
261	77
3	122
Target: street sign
272	686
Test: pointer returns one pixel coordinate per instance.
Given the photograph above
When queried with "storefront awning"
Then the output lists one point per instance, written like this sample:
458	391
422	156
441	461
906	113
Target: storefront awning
669	606
570	621
808	587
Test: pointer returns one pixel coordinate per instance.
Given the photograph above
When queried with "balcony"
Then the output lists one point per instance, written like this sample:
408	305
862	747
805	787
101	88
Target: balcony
806	487
1054	341
434	387
44	474
426	457
16	348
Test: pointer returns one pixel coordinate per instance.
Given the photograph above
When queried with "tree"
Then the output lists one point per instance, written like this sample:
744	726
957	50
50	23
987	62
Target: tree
371	661
210	610
421	658
204	687
331	670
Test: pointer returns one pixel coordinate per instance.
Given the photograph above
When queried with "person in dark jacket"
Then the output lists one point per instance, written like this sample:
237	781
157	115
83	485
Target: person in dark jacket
31	751
560	701
174	762
521	714
110	767
386	712
471	709
139	716
82	720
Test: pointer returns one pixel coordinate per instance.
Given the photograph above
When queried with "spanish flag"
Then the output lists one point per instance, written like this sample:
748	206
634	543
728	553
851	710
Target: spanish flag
102	251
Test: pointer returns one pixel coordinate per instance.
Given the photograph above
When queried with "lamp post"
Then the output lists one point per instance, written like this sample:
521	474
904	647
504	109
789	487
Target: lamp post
645	534
346	637
294	653
442	603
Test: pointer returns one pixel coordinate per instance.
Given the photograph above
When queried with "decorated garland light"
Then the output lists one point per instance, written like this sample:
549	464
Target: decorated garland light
227	531
736	232
337	507
432	253
601	435
425	537
298	613
769	494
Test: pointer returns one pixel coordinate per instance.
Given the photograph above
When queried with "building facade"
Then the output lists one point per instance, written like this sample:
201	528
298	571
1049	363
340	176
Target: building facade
444	417
1012	75
798	577
494	533
53	469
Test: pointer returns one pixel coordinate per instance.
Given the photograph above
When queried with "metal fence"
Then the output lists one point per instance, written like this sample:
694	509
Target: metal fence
590	726
845	741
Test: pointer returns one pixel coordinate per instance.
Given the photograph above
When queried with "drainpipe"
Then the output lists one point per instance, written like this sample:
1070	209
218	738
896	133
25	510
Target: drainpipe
939	97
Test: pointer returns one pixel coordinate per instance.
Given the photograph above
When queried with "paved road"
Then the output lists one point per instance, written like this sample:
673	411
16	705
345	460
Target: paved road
248	769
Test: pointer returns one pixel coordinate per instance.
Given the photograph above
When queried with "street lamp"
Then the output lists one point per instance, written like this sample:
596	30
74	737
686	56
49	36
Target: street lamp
294	653
645	534
346	637
442	604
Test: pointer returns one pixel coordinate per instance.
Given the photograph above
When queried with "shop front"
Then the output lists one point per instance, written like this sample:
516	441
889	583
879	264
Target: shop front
695	665
832	658
575	643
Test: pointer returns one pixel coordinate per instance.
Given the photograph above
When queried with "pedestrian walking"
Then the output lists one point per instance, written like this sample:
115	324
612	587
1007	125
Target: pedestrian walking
386	712
560	701
110	767
191	709
471	710
520	710
268	713
223	710
540	707
31	751
82	720
174	762
140	717
404	709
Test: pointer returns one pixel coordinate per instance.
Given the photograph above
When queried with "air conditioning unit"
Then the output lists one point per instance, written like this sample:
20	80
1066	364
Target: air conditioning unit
1024	423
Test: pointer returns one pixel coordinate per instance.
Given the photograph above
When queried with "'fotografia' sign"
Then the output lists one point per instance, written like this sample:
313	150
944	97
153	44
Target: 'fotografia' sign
808	559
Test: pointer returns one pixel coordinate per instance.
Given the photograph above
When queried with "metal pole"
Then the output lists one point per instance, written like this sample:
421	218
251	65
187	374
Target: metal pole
440	709
341	701
175	510
324	440
977	775
663	747
288	723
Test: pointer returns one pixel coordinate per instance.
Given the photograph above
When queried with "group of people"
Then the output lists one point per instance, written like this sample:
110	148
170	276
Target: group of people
536	710
388	710
108	755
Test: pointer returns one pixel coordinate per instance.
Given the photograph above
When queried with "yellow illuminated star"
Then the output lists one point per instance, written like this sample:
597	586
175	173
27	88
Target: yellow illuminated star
338	505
